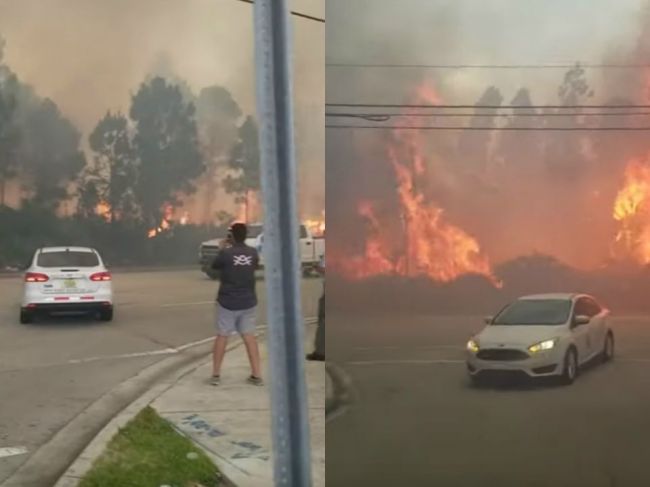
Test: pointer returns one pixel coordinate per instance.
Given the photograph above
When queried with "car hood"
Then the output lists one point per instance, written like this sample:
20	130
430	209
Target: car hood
517	335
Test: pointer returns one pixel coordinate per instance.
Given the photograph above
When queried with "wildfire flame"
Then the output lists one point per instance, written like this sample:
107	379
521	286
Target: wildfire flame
103	209
165	222
632	211
431	245
316	225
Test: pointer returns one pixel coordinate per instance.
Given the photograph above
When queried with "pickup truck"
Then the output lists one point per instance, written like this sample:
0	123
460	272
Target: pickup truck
311	250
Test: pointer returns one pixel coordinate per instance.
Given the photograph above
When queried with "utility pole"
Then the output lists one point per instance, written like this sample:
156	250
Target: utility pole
290	419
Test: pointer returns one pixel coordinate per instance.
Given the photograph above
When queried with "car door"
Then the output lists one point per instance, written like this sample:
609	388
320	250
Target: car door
597	326
581	333
307	249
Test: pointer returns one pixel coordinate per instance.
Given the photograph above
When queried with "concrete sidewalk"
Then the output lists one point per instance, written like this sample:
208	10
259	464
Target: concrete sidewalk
232	422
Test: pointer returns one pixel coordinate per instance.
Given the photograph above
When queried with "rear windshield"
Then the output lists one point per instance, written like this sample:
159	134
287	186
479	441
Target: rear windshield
67	259
535	312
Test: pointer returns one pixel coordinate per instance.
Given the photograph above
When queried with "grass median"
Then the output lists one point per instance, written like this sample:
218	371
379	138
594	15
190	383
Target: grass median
148	452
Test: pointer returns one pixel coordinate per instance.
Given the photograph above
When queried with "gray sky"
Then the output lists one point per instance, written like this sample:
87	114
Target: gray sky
90	55
475	32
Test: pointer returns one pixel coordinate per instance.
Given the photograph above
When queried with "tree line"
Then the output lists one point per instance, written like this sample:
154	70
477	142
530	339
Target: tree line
139	163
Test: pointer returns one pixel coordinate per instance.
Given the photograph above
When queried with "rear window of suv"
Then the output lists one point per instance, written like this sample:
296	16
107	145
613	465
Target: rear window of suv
70	258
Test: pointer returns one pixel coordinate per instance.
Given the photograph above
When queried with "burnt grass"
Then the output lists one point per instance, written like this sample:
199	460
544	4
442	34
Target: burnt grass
621	287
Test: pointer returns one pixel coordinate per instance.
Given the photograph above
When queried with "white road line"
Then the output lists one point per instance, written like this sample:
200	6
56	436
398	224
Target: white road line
149	353
432	347
12	451
173	305
405	362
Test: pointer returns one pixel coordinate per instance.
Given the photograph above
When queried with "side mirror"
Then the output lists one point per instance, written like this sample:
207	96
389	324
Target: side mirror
488	320
581	320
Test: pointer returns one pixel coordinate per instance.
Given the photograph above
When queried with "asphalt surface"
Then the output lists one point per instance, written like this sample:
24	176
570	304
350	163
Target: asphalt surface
415	419
52	370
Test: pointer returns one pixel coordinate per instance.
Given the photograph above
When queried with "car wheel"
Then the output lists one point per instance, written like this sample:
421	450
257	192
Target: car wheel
106	315
570	370
26	317
608	348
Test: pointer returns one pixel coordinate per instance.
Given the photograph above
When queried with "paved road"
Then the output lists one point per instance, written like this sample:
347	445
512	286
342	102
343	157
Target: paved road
418	422
51	371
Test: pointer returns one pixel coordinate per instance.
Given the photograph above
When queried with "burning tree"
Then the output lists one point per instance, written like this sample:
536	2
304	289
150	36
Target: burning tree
245	163
430	245
112	176
166	144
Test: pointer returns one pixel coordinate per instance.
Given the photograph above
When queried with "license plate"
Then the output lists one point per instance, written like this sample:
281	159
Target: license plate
70	284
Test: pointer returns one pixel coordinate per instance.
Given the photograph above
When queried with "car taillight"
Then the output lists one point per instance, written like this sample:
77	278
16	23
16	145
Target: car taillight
36	277
101	276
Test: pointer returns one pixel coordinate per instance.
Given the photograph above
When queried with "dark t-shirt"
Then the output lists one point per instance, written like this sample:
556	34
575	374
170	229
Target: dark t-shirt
236	266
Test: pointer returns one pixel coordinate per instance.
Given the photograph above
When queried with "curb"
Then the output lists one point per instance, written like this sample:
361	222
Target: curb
342	395
82	464
71	440
170	374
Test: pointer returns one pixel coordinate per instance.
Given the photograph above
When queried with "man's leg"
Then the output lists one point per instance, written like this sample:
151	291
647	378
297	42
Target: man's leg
218	352
253	351
246	328
225	320
319	340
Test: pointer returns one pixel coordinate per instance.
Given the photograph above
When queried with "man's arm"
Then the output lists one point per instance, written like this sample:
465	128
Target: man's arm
218	261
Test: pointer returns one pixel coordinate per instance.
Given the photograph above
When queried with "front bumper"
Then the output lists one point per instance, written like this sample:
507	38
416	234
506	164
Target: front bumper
542	364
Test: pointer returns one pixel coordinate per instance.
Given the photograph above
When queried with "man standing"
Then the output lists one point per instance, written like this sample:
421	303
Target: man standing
236	301
319	341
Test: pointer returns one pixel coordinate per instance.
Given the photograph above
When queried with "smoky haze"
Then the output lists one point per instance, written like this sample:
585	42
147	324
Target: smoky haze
536	202
91	56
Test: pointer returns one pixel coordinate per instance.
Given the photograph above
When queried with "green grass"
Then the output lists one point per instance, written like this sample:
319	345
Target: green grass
148	452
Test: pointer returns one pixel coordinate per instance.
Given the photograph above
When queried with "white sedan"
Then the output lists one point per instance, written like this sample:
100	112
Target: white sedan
65	280
542	335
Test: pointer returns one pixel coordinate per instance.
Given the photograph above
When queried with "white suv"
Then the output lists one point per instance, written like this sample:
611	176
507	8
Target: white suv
67	279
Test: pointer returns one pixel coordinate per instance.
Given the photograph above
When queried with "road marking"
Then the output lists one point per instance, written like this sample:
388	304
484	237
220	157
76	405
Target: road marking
432	347
149	353
404	362
195	303
12	451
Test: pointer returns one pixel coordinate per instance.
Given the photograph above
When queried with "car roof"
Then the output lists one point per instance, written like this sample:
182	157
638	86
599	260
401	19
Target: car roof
46	250
565	296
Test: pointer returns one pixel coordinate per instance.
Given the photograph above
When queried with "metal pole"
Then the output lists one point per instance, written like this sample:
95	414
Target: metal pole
290	420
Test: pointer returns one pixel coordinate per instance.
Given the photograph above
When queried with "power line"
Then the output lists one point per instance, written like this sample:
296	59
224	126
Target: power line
293	12
496	129
485	107
488	66
382	117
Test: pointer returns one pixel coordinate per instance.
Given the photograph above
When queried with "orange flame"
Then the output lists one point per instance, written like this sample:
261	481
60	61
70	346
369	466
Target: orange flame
316	225
632	211
103	209
432	246
165	222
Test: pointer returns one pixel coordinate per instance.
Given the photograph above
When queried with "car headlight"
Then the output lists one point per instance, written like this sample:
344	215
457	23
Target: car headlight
541	346
472	346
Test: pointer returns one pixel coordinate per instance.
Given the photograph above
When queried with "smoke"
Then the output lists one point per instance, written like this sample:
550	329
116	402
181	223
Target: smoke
518	193
91	56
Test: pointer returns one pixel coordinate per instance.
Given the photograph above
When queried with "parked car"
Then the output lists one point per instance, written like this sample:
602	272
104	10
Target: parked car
311	249
67	280
540	336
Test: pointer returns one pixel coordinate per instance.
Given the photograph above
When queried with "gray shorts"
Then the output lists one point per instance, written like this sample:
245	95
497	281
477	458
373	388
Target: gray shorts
230	322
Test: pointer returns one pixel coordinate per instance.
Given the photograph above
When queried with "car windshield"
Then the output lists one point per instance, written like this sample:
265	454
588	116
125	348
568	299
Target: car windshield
70	258
535	312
